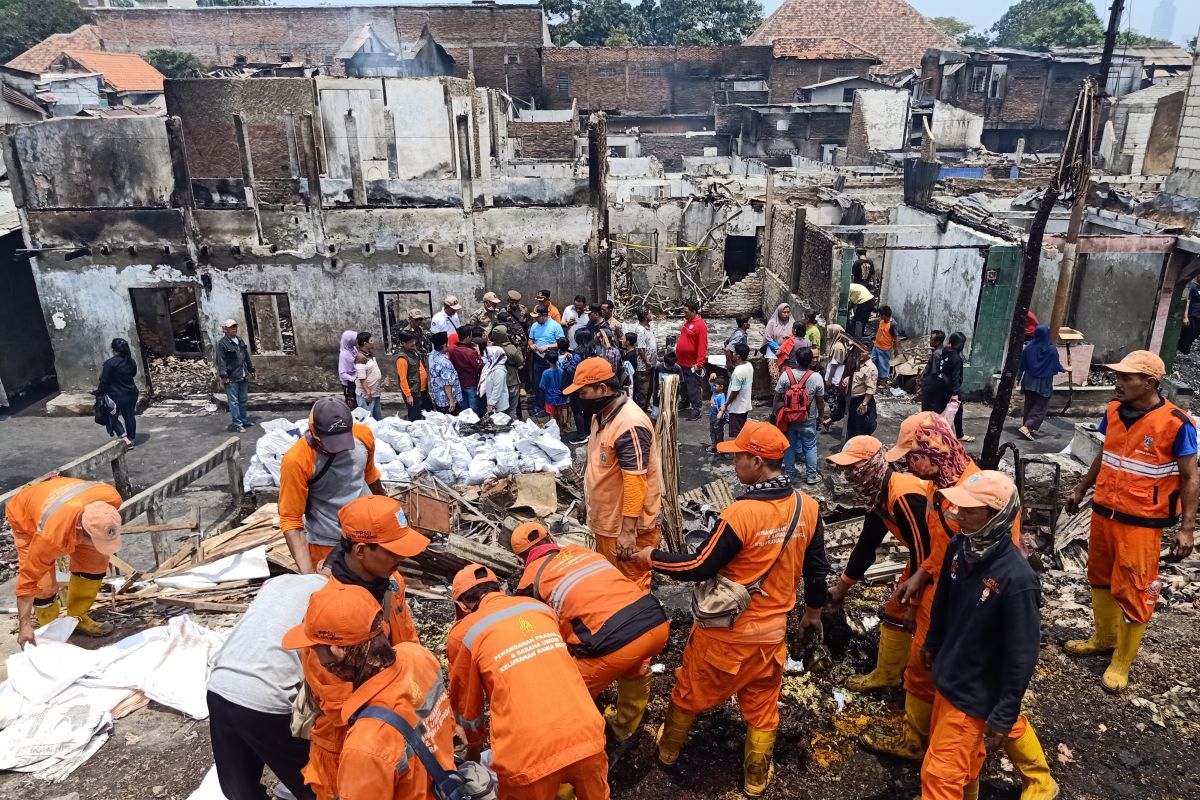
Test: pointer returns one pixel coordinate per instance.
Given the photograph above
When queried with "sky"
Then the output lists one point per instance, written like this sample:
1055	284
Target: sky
980	14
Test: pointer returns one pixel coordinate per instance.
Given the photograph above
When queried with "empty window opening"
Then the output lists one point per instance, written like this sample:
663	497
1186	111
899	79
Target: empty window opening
979	79
740	254
606	72
269	327
402	249
512	58
848	95
564	86
393	313
168	331
429	248
528	249
558	251
462	248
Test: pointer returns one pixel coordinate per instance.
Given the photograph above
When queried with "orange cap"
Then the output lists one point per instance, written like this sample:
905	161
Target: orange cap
526	535
986	488
469	577
859	448
590	370
102	523
757	438
338	613
1140	362
379	519
907	439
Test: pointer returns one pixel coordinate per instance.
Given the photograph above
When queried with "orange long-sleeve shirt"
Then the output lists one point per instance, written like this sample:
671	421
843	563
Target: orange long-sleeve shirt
299	467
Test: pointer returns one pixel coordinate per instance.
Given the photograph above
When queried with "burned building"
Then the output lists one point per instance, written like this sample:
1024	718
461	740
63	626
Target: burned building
301	207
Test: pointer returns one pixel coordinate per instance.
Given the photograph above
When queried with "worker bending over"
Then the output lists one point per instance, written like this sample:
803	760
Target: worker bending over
343	629
1146	480
983	646
332	464
375	538
763	544
621	483
54	518
612	627
506	652
895	503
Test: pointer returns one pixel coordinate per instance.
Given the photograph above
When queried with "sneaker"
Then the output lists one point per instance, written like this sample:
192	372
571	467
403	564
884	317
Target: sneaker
582	440
813	479
241	429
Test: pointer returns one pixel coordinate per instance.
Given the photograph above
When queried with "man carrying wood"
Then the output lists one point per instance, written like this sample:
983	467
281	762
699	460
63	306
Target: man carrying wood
1145	481
375	538
896	503
59	517
332	464
622	495
612	627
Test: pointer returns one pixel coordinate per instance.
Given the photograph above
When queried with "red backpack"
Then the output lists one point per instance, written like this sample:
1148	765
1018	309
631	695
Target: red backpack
796	401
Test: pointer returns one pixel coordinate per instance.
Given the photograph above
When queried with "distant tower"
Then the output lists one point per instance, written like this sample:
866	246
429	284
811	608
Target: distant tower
1163	24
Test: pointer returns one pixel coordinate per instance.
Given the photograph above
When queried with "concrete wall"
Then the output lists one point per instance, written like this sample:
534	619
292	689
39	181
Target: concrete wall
1185	176
955	128
28	359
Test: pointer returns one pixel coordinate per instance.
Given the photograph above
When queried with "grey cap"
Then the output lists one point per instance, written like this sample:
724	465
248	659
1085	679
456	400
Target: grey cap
332	422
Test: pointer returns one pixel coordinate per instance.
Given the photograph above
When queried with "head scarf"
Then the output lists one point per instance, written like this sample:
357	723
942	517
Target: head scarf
935	440
346	354
837	348
1040	359
984	542
495	355
778	328
869	478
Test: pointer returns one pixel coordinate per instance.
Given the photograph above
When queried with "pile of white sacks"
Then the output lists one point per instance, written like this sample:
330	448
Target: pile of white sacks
404	450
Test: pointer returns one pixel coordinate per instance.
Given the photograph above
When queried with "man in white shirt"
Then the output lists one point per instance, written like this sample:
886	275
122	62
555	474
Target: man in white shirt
577	311
647	358
740	392
447	320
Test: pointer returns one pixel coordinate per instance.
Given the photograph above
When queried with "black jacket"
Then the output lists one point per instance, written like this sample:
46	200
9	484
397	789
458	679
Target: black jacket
233	360
943	373
985	632
116	379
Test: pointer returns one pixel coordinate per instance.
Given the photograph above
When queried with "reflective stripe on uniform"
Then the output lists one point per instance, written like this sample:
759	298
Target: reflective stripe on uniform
559	596
469	724
1139	468
498	616
67	497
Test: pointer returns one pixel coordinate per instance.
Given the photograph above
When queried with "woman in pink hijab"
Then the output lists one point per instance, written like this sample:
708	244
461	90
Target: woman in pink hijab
346	366
779	328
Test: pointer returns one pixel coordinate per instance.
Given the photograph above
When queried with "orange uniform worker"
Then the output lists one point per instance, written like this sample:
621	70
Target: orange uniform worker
332	464
983	646
765	541
343	629
545	729
1146	480
621	485
612	627
58	517
375	539
896	503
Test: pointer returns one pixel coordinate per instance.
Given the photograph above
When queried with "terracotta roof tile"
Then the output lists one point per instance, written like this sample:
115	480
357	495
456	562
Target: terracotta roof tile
891	29
124	72
39	57
831	47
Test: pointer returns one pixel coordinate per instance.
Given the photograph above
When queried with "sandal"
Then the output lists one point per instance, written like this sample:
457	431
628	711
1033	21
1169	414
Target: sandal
1028	434
967	439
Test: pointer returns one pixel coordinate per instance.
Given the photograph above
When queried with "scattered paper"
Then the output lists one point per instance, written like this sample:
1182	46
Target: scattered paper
246	566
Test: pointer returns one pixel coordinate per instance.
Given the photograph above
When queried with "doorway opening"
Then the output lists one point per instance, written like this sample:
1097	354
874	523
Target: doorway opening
168	331
741	255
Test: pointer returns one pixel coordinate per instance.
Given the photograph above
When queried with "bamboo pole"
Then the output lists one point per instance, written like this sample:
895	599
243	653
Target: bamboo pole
666	434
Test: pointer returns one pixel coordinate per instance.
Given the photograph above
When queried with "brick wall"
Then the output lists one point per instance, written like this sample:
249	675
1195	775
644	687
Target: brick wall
553	141
790	74
1187	152
819	280
670	148
478	37
743	297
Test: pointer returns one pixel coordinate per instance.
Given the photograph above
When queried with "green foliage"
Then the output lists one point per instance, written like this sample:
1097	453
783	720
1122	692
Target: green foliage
24	23
173	63
961	32
614	23
1191	44
1135	39
1041	24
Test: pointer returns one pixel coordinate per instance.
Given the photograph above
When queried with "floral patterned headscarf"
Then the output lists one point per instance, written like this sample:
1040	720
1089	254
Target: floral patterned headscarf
934	439
869	477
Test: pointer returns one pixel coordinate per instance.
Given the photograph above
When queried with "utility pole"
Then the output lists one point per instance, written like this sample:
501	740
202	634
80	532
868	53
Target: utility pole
1082	132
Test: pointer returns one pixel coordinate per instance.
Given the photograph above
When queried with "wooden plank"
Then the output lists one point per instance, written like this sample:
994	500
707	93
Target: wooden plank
81	467
190	522
173	484
202	605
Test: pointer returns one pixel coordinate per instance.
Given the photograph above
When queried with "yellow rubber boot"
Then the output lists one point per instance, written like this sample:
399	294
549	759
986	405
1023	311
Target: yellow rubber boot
1104	638
971	790
672	734
1027	756
889	662
626	716
48	613
1129	641
565	792
913	738
81	596
757	766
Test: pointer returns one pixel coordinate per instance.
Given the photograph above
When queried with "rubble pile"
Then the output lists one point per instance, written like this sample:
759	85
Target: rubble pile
175	376
460	450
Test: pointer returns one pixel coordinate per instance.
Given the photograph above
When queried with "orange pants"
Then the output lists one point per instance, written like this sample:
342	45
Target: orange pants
321	772
628	662
607	547
1124	559
713	670
956	750
85	558
895	615
588	776
918	681
318	553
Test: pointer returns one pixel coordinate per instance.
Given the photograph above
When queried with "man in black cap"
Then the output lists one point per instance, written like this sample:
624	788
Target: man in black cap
330	465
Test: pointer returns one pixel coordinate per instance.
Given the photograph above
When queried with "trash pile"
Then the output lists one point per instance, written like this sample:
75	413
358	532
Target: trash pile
457	450
179	377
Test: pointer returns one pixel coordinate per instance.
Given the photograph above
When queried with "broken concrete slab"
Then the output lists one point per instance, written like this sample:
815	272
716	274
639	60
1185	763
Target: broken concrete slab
67	404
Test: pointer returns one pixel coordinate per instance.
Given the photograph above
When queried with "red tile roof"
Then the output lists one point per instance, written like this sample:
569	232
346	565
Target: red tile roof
831	47
38	58
891	29
124	72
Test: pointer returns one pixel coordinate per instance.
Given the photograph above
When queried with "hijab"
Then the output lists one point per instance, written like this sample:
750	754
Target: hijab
495	355
869	478
837	348
1040	359
935	440
778	328
346	355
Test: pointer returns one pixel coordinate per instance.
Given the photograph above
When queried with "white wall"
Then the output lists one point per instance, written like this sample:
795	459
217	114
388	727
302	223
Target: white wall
885	112
954	128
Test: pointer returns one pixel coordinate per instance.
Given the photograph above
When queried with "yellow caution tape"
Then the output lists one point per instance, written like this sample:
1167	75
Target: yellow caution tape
651	247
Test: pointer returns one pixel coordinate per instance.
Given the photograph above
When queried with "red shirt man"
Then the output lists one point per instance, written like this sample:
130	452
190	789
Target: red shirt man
691	352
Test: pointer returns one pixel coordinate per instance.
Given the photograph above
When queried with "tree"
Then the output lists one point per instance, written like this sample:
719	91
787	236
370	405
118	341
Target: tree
24	23
653	22
1135	39
1041	24
590	22
961	32
174	63
619	37
1191	44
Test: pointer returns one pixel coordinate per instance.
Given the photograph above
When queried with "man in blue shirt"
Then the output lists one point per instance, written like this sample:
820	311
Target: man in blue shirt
544	334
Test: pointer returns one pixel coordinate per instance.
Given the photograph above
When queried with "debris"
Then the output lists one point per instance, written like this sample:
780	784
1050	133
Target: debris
180	377
1064	754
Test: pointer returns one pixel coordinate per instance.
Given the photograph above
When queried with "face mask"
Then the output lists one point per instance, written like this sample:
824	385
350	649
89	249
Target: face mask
595	405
